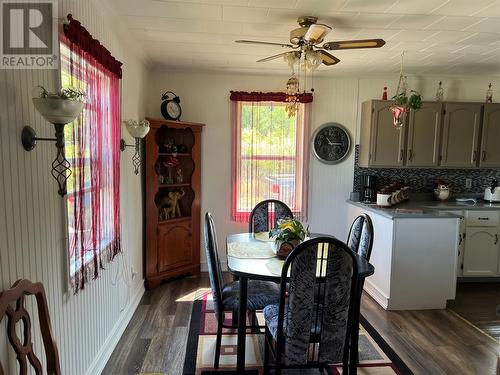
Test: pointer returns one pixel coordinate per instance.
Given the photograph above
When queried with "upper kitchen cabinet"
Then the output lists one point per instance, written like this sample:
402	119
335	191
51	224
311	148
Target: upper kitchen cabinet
490	152
460	141
381	144
424	131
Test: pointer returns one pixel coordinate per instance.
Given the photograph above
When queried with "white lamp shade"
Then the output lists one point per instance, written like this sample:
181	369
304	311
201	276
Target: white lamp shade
58	111
137	129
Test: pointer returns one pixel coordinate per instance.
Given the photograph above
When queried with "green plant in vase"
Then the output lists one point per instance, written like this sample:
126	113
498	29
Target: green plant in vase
403	104
288	234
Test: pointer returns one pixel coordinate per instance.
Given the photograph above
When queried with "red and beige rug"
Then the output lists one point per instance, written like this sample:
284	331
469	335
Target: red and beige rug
376	357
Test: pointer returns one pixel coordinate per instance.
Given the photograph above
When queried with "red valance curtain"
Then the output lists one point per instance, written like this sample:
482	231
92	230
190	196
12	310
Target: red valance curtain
270	152
255	96
92	147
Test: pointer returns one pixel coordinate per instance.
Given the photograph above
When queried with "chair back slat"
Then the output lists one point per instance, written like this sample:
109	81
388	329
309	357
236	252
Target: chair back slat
313	320
360	239
213	263
23	346
266	214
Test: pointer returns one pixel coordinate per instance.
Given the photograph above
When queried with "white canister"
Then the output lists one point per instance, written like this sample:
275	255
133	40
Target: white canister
384	199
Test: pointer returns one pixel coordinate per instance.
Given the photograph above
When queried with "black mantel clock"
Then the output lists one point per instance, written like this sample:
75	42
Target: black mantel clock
331	143
170	107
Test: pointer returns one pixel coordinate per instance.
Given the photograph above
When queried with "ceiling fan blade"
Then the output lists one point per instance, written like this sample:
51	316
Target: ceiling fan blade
272	57
328	59
351	44
266	43
316	33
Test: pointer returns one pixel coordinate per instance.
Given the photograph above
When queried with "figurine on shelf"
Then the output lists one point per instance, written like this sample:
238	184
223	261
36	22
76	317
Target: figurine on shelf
384	94
440	92
169	164
489	94
179	177
168	144
171	208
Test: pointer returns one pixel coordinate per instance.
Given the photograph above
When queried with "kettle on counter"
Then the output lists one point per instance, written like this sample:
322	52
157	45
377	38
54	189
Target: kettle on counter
492	192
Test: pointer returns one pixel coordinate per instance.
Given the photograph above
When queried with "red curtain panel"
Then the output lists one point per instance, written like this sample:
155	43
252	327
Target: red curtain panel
92	147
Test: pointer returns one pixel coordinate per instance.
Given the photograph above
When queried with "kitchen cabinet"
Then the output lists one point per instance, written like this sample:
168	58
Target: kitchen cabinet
460	141
481	254
482	248
424	131
490	152
382	144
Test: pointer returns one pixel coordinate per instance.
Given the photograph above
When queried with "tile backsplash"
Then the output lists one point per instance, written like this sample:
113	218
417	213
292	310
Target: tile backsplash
421	180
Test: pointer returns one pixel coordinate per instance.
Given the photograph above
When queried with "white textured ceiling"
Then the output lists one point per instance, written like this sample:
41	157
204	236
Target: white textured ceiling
439	36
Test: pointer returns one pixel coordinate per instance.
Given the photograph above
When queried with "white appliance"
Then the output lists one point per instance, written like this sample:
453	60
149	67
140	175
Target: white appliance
492	193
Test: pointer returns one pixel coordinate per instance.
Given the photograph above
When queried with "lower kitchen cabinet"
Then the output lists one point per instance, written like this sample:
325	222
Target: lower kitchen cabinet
481	251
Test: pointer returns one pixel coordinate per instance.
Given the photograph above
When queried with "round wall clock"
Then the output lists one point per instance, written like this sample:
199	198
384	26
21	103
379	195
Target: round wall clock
331	143
170	107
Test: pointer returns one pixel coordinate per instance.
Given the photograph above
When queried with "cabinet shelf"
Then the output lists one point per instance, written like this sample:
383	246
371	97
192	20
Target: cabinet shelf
176	220
174	185
174	154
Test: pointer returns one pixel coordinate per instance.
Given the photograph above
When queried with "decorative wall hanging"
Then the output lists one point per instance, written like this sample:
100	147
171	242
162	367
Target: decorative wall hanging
402	103
138	130
59	108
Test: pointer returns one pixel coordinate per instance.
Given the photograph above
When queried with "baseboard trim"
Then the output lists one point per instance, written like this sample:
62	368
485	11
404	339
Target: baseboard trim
376	294
114	336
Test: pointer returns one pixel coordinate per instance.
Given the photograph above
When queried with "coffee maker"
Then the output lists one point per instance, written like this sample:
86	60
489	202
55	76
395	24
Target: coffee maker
369	184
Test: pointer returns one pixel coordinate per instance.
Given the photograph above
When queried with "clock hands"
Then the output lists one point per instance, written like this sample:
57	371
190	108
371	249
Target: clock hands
333	143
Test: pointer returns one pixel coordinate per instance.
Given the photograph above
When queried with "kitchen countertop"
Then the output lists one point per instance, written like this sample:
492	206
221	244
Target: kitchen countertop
426	209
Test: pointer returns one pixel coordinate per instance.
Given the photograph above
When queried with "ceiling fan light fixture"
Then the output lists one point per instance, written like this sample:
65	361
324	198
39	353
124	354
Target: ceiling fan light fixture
316	33
312	60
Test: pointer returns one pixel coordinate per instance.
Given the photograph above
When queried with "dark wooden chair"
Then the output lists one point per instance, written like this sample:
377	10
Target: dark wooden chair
266	214
24	346
311	324
226	296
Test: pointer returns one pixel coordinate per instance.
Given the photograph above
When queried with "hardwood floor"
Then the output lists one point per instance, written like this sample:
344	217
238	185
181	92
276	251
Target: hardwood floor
429	342
477	302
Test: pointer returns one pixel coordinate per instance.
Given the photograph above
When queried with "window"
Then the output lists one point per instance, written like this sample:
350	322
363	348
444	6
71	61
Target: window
270	155
92	148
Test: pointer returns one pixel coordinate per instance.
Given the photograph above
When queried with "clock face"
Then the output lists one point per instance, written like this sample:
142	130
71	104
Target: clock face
331	143
174	109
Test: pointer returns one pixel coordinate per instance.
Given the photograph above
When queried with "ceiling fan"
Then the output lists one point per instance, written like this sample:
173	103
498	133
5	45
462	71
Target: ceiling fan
307	38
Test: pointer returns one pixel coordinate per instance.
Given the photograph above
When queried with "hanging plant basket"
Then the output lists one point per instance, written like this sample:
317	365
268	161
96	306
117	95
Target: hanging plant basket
402	106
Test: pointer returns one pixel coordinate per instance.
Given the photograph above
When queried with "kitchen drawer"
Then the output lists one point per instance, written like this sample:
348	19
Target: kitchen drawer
482	218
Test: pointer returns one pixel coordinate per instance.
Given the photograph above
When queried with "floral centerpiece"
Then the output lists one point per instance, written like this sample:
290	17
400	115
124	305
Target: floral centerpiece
288	234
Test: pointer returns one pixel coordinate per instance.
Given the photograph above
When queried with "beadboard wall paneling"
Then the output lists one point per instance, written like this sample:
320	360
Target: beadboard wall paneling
205	98
32	224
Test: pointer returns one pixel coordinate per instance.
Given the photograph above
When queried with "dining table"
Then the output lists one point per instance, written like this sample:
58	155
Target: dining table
250	256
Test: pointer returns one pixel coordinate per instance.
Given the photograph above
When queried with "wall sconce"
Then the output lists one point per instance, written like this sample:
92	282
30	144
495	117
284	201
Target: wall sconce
138	130
59	112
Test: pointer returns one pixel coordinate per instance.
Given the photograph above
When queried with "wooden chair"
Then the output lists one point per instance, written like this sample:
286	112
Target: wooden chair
266	214
24	346
311	324
226	296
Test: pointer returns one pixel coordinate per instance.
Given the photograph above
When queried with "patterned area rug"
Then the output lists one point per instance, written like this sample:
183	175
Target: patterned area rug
376	357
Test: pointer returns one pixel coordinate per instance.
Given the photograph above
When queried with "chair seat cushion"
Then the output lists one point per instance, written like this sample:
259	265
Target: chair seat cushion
259	295
271	317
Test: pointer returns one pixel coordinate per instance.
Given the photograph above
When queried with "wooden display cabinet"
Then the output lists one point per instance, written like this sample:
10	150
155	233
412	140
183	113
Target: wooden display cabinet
173	160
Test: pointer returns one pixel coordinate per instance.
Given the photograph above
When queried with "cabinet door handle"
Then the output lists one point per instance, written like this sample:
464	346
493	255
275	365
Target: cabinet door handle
460	240
483	158
483	218
496	239
401	155
474	156
410	154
